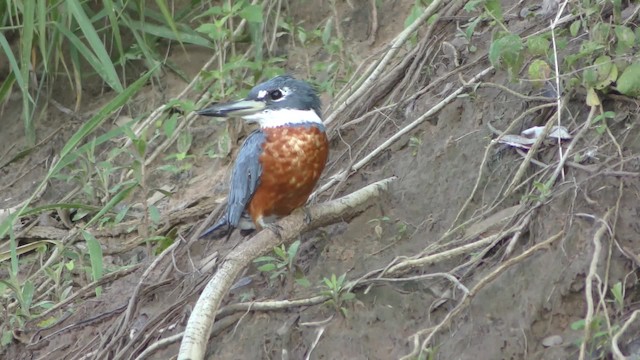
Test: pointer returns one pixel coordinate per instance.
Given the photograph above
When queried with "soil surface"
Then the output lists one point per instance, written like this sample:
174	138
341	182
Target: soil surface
441	168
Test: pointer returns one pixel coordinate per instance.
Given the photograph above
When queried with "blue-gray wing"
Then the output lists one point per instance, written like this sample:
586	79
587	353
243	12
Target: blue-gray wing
244	182
245	177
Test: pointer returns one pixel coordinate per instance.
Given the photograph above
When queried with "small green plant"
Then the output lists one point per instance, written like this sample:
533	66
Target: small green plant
600	121
414	143
334	289
600	337
617	291
381	222
282	266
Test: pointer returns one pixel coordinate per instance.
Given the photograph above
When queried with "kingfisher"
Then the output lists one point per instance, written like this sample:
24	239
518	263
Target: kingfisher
280	163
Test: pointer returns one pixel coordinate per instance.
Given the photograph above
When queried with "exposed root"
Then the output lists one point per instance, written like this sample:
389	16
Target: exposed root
199	326
473	292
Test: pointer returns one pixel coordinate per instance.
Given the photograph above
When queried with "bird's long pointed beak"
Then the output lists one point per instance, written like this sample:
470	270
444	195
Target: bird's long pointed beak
234	108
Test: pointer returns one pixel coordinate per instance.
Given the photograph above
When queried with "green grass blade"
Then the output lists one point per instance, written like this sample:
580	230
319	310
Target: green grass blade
95	257
115	25
42	32
26	43
166	33
108	70
81	48
168	18
121	195
142	44
71	144
7	84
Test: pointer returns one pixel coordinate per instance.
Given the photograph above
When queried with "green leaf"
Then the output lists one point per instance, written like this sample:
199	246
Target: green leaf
7	338
494	8
15	68
599	71
70	265
184	142
280	252
170	125
168	18
115	200
577	325
625	39
348	296
252	13
326	33
293	249
184	36
538	45
267	267
575	27
95	256
616	290
472	5
539	72
27	294
507	52
154	214
592	97
303	281
629	81
415	13
26	43
264	259
600	33
107	71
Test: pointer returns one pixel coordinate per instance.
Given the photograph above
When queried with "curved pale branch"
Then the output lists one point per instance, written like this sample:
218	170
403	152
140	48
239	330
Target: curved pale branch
193	344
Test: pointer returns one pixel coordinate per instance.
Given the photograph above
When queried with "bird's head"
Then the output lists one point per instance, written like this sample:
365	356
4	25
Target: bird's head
280	101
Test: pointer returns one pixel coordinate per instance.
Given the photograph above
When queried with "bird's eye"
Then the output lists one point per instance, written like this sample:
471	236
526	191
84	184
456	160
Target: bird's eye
275	95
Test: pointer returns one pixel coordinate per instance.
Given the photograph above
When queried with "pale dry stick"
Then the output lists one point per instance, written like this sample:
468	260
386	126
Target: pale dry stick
394	48
447	276
164	342
275	27
354	82
321	330
270	305
574	141
476	186
363	117
198	328
588	289
517	234
422	260
532	151
515	93
615	348
358	165
554	23
479	286
441	256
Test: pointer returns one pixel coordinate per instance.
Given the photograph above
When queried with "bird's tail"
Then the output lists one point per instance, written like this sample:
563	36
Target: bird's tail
221	229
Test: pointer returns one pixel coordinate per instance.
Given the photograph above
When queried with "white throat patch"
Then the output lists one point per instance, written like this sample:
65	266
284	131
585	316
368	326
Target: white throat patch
281	117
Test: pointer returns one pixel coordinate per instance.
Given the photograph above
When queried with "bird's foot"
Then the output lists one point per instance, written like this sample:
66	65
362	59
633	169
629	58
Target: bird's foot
275	228
307	215
271	225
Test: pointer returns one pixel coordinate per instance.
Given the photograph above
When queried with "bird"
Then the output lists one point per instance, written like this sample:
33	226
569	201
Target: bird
278	164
